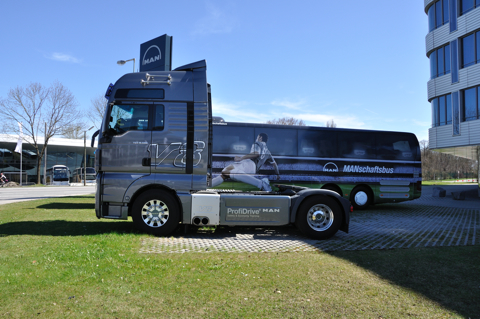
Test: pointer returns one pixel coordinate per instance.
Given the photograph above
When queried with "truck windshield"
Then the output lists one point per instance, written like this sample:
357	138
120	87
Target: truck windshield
125	118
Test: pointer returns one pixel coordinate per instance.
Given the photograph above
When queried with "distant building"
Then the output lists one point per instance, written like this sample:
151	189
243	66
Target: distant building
60	151
453	48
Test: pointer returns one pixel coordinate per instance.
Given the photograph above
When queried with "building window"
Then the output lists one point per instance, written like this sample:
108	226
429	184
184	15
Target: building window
442	110
468	50
440	62
468	5
470	110
438	14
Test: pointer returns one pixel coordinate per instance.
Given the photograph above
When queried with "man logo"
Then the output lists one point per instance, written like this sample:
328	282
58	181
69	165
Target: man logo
330	167
152	57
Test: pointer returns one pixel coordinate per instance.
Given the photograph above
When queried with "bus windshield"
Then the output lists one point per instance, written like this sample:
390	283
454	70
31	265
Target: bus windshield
60	174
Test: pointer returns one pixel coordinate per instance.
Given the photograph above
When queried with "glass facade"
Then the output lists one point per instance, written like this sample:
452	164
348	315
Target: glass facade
71	156
468	5
442	110
440	62
470	104
438	14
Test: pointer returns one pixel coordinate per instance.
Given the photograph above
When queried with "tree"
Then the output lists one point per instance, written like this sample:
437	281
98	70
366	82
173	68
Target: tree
331	123
74	131
43	111
97	109
287	121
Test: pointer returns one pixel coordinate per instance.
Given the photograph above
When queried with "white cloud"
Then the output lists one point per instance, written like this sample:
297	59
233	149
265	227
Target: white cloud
248	113
215	21
298	105
239	113
347	121
422	123
62	57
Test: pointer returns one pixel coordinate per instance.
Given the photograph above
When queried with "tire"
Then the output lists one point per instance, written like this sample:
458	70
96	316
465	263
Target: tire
319	217
156	212
361	198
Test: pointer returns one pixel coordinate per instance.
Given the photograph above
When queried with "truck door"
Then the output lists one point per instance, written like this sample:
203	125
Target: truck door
131	137
170	139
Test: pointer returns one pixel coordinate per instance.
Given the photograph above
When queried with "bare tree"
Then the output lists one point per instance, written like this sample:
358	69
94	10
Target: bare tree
287	121
97	109
74	131
331	123
43	111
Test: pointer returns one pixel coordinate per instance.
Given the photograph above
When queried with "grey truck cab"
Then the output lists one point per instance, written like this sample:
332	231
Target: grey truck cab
154	164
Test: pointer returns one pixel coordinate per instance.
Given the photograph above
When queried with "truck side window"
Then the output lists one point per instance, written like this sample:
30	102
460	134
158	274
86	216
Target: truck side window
159	118
125	118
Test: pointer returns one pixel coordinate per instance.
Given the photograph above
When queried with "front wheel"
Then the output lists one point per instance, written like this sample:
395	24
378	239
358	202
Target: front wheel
319	217
156	212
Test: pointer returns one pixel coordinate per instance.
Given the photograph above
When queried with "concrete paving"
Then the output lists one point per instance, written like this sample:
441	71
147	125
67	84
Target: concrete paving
425	222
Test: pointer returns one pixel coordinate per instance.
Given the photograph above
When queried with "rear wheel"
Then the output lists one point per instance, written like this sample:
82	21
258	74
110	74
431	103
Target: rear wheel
361	197
156	212
319	217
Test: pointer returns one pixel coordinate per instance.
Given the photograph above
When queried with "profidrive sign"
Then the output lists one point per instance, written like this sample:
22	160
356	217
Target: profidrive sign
156	54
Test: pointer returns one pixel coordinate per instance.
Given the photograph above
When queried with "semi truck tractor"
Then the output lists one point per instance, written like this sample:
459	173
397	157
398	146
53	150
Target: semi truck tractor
154	163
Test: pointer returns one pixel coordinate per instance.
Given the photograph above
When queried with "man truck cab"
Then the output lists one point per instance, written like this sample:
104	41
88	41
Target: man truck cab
154	163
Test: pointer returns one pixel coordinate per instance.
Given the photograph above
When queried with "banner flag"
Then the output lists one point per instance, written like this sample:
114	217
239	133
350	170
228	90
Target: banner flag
18	149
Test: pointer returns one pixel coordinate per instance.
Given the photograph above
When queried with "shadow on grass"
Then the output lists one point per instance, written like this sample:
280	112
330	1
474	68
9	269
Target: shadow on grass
64	228
447	275
64	205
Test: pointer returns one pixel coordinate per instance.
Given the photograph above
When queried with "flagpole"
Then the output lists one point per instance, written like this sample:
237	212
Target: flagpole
19	149
21	166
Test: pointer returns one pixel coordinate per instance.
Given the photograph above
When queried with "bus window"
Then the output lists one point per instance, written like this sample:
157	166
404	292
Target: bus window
396	147
232	140
317	143
281	141
356	145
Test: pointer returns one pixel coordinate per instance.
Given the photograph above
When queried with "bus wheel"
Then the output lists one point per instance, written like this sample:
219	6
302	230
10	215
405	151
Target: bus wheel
361	198
156	212
319	217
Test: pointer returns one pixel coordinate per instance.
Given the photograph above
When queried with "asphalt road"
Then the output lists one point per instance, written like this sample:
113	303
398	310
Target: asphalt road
18	194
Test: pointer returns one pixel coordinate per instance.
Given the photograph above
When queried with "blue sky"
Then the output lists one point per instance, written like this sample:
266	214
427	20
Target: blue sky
360	63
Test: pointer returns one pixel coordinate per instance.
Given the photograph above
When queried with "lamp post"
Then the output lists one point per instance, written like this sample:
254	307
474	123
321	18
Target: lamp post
122	62
85	158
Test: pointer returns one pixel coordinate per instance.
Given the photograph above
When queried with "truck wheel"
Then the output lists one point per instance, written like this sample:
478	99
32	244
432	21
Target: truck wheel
319	217
156	212
361	197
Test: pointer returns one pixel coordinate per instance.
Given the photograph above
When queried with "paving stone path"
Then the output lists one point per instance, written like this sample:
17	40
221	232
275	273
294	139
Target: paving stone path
425	222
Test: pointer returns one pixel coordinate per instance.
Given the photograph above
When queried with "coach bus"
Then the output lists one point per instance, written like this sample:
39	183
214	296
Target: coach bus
365	166
78	175
58	175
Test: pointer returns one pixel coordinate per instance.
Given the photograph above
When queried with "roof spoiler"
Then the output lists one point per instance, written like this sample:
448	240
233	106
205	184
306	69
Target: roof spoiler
190	67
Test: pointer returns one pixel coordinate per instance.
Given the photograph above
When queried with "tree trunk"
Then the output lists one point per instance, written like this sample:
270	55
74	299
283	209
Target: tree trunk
39	162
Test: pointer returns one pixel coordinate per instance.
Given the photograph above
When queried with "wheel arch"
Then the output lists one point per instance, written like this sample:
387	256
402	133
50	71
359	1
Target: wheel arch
342	202
145	188
333	187
368	188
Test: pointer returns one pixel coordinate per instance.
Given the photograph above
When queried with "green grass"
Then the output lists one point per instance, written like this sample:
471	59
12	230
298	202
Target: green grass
58	260
445	182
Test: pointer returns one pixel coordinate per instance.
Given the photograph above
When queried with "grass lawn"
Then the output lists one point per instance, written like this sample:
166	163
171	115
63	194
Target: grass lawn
446	182
58	260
